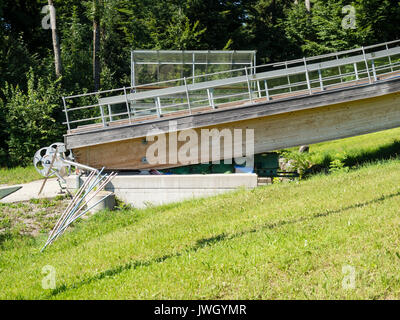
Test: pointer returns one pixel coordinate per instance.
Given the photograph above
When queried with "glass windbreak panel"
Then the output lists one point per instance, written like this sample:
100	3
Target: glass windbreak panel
147	72
160	65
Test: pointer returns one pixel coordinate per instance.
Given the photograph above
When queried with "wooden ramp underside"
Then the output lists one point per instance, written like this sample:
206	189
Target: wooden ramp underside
284	123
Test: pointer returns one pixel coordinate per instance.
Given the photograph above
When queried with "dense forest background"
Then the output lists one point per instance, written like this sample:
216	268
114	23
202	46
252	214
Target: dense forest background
90	47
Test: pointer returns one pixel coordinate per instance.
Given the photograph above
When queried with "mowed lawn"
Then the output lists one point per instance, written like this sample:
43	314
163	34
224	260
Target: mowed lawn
286	241
356	150
18	175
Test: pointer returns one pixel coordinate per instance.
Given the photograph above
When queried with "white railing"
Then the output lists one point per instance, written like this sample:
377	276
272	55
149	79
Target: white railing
247	85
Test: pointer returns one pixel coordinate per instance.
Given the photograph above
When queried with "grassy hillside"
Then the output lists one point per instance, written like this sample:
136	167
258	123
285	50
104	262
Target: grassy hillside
289	240
18	175
357	150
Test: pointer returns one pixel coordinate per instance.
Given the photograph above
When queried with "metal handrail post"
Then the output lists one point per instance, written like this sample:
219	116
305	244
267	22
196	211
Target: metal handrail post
187	95
109	113
210	98
132	70
288	78
366	64
103	120
193	67
373	70
307	76
340	70
266	90
248	84
158	107
127	106
356	71
321	83
390	59
66	113
259	89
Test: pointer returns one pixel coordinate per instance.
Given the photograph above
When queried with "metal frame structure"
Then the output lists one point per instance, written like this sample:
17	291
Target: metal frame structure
283	80
194	58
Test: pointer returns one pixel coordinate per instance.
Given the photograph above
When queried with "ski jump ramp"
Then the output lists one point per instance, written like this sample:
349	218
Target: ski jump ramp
285	104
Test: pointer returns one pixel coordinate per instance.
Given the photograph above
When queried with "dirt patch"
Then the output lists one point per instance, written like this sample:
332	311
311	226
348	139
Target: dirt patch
31	217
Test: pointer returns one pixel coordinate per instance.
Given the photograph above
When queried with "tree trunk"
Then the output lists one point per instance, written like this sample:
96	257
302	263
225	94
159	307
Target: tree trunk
96	46
56	43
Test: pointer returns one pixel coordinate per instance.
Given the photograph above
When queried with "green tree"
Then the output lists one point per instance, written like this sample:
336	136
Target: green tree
33	118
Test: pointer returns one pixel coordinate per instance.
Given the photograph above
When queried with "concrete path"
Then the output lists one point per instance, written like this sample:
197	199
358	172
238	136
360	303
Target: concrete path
30	191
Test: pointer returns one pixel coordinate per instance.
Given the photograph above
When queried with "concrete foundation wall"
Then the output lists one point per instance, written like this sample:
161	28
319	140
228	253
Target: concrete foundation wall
140	190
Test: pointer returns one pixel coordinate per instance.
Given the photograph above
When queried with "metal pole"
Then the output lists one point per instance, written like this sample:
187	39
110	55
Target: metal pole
133	67
208	52
321	83
109	113
255	61
183	63
259	89
67	214
158	107
48	171
366	64
67	223
288	78
356	71
193	67
373	70
210	98
158	66
340	70
248	84
80	166
76	218
100	186
66	114
266	89
187	95
103	120
127	106
72	203
232	61
390	59
307	77
132	71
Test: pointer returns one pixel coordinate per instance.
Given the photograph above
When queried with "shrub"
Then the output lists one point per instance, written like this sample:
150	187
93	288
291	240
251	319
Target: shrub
33	118
338	164
299	162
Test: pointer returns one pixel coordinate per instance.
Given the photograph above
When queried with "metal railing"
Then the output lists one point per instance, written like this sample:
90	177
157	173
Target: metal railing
201	93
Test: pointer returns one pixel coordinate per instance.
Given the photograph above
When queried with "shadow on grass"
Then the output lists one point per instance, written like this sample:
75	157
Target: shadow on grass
205	242
385	152
4	237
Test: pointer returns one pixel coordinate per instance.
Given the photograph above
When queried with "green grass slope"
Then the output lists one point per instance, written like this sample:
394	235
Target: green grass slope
288	240
18	175
357	150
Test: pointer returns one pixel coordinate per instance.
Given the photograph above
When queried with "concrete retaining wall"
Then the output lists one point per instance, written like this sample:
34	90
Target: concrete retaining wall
139	190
